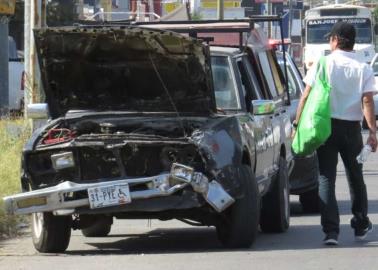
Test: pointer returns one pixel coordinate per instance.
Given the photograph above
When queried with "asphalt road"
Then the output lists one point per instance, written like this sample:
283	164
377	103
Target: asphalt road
140	244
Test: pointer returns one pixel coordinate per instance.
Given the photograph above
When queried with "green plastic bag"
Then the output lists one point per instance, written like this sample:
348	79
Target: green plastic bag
314	126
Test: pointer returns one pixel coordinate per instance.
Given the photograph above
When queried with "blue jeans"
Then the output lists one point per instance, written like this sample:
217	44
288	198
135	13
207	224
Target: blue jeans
345	139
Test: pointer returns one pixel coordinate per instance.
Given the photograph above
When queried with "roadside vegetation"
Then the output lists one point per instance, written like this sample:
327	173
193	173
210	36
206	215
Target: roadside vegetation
13	134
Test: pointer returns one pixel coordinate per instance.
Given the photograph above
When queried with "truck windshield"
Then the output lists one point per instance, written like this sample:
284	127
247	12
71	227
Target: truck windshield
317	29
225	91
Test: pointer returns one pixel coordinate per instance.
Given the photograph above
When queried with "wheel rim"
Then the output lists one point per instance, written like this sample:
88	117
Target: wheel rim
37	219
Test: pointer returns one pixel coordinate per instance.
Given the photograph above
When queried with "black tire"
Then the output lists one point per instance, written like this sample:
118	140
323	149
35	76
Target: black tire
275	211
100	228
51	234
238	225
310	201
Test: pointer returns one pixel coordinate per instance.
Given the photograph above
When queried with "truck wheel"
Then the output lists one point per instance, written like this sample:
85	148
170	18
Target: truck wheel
310	201
51	234
238	226
99	228
275	211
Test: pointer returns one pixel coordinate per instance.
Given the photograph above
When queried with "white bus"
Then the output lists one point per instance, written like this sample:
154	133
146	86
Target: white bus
319	21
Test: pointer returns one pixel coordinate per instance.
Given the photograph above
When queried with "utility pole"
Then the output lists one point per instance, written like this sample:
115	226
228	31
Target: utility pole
107	7
269	12
35	17
7	8
220	9
4	68
290	18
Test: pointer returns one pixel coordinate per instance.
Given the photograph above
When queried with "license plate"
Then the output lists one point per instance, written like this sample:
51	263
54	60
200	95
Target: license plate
109	196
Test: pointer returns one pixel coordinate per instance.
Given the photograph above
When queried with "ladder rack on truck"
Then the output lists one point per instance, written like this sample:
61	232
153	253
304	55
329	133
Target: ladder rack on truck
205	30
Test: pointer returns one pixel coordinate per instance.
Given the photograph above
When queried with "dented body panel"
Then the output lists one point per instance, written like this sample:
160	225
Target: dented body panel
63	196
106	148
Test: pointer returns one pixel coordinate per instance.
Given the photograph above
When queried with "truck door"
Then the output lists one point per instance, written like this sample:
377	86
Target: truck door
259	124
281	118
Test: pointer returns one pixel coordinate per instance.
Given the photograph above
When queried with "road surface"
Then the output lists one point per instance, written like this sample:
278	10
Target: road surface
140	244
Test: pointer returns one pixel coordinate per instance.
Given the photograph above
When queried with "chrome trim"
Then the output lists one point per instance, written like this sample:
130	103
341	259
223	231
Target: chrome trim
37	111
157	186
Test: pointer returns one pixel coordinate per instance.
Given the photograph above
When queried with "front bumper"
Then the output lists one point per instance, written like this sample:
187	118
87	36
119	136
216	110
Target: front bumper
60	200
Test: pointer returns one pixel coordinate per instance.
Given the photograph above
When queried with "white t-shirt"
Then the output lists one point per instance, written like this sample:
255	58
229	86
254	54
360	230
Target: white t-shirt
349	80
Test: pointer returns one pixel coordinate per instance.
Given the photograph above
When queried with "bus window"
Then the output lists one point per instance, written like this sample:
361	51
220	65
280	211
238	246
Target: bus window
319	21
317	30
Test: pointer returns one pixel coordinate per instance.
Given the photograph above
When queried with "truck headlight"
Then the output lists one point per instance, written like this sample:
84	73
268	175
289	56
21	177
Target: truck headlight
182	172
63	160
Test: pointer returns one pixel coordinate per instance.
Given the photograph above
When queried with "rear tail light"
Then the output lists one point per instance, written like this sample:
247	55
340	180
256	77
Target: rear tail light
58	135
275	43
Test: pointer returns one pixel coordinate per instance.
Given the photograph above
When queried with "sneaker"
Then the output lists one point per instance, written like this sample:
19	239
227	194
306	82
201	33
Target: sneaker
360	234
331	239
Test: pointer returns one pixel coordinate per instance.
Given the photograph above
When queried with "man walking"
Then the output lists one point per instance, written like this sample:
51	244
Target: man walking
351	98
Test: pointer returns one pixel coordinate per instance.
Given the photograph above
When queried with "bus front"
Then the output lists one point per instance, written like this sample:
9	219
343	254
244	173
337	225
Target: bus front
319	23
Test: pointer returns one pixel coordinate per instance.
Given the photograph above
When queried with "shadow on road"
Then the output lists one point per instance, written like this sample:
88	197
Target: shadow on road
195	240
345	207
158	241
200	239
303	236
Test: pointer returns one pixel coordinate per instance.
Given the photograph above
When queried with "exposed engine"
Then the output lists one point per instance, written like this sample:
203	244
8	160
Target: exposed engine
90	150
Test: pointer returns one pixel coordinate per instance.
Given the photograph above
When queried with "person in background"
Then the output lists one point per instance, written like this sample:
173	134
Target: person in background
134	7
351	98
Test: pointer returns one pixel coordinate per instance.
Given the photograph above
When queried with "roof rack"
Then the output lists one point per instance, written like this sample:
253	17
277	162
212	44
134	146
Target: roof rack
256	18
240	26
101	16
193	28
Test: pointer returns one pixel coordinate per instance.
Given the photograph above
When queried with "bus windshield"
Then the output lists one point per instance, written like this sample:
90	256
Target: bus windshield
318	28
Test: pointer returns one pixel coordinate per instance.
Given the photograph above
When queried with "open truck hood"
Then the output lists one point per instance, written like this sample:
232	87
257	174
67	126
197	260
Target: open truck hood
124	69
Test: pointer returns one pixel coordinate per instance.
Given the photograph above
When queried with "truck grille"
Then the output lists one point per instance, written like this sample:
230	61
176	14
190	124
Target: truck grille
94	163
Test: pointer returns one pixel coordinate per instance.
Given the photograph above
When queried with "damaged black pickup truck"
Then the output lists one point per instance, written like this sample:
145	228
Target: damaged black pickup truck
135	132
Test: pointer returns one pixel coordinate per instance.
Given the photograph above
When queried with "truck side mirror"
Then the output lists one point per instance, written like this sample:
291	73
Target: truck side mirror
376	29
37	111
262	107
